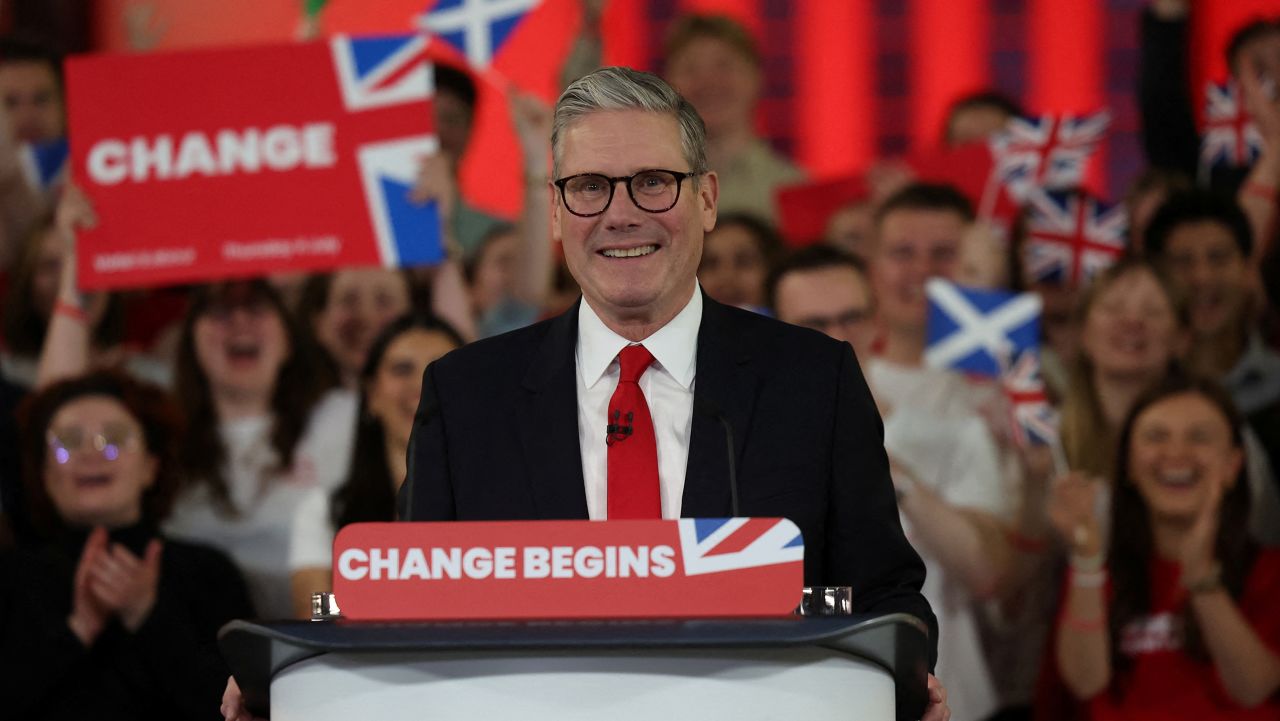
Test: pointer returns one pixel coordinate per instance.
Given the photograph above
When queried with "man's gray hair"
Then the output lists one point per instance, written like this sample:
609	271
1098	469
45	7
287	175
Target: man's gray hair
618	88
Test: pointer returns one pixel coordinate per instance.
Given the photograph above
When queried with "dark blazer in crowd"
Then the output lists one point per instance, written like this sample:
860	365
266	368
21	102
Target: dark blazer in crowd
169	669
496	438
1167	103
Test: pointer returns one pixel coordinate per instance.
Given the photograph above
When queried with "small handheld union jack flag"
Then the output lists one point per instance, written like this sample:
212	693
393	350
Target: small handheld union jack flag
1048	151
1230	138
1035	421
1071	236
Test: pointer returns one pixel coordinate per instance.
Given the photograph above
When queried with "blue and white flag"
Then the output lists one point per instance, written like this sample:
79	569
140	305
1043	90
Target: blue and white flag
477	28
980	332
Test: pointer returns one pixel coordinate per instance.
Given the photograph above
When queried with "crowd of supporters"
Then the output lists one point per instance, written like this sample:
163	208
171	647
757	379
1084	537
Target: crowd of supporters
173	458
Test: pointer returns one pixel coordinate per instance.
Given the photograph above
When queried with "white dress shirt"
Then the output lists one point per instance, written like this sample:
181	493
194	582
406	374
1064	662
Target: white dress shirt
668	389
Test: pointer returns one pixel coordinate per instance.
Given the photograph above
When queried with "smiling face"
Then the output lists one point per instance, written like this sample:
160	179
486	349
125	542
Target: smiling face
396	385
361	303
1205	260
1130	329
634	267
241	343
97	466
1180	449
913	246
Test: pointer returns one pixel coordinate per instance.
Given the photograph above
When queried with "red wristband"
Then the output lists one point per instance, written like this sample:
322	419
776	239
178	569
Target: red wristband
1260	190
1085	625
67	310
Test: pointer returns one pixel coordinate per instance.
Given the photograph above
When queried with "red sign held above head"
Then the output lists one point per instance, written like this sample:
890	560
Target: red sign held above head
237	162
690	568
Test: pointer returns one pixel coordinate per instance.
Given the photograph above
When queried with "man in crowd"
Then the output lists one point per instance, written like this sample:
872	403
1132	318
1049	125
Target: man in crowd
945	468
32	113
1204	240
715	63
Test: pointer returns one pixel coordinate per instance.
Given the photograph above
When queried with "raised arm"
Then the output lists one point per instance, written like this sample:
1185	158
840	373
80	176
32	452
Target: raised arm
532	119
1083	647
67	341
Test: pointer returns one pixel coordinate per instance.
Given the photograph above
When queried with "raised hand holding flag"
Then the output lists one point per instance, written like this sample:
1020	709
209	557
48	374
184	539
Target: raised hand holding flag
1230	137
980	332
1071	236
1047	152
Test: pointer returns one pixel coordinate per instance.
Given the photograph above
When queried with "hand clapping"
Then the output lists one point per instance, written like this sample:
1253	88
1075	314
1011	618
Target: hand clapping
109	581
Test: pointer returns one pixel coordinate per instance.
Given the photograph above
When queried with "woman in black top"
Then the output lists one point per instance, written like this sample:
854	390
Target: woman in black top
103	618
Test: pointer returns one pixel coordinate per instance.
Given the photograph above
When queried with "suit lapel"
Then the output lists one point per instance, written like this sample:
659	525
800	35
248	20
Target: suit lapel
548	424
724	382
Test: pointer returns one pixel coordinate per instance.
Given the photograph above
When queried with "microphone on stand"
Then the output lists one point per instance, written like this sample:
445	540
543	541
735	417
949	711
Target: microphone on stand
704	407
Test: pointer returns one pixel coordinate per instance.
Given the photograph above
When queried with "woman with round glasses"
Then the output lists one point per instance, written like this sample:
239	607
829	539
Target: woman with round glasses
104	618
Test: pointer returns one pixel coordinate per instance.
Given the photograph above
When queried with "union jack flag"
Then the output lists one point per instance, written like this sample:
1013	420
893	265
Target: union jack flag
1071	236
1035	421
476	28
712	545
979	332
1231	138
1047	152
376	74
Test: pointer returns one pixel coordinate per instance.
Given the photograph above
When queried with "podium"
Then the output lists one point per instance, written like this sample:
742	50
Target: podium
853	667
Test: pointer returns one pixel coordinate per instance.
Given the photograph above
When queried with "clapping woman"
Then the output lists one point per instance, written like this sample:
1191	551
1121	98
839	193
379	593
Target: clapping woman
1177	620
104	618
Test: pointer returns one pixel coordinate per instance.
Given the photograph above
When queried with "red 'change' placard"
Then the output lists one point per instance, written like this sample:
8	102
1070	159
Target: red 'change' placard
690	568
235	162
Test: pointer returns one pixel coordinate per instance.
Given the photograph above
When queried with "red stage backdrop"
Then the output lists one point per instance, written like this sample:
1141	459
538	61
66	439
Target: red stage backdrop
845	81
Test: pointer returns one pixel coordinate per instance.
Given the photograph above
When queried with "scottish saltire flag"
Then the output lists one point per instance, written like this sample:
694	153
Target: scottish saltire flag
476	28
1035	420
43	164
1230	137
1048	151
711	545
379	72
980	332
1071	236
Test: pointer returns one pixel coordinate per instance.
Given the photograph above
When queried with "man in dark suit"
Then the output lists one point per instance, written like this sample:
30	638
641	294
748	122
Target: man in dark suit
509	428
614	409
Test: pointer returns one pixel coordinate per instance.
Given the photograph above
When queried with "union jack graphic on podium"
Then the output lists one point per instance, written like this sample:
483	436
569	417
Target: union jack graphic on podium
384	72
1047	152
476	28
713	545
1071	236
1035	421
979	332
1231	138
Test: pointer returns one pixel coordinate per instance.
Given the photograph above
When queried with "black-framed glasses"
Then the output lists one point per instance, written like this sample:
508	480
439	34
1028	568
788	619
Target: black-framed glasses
653	191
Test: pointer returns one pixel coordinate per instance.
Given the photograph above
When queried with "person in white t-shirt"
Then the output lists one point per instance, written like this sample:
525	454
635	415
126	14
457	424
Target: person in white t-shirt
261	433
945	464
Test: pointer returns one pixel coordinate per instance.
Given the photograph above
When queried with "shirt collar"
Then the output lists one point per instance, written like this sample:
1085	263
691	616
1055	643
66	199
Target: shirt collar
674	346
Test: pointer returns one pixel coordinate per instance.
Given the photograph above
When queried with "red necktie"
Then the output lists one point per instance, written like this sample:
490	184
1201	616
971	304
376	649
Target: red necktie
633	450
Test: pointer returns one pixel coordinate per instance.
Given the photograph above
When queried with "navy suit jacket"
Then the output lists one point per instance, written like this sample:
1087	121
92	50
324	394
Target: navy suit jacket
496	438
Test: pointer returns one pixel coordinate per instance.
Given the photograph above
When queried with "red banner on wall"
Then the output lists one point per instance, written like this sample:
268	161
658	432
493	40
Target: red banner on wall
722	567
238	162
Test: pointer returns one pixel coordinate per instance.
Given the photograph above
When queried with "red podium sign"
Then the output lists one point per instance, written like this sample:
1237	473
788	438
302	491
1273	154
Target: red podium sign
719	567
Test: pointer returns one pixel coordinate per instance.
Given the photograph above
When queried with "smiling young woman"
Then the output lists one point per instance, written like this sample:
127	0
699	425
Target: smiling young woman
263	432
1179	613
